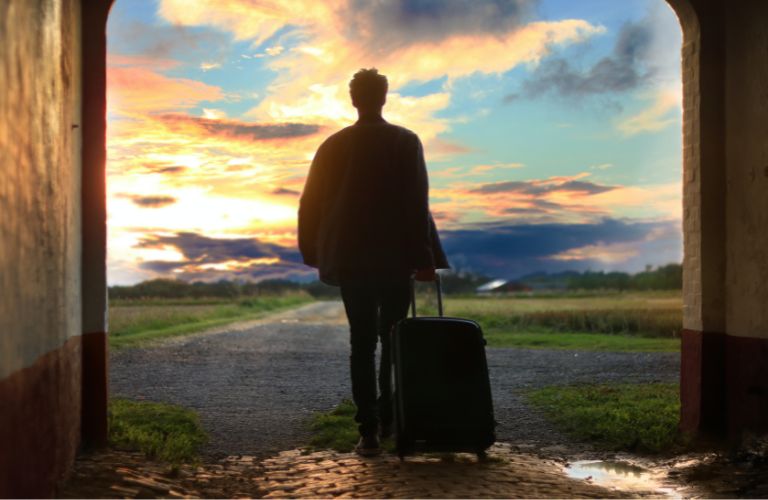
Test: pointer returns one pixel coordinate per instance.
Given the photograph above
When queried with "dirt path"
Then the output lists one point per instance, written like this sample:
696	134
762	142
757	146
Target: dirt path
256	384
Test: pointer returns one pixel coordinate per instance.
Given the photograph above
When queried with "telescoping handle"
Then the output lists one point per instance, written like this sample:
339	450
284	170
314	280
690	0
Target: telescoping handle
439	296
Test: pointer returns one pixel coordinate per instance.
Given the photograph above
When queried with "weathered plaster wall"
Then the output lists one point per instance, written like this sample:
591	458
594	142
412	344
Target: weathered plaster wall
747	169
40	308
746	173
39	179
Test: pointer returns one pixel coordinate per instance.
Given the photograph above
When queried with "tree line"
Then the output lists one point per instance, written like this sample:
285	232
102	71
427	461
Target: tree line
668	277
178	289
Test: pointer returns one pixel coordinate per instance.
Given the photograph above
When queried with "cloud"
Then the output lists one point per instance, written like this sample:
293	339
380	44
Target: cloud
415	40
148	62
538	187
168	41
203	249
509	251
158	201
209	259
384	26
438	149
535	207
133	90
237	129
621	71
665	110
164	169
285	191
484	169
559	199
622	252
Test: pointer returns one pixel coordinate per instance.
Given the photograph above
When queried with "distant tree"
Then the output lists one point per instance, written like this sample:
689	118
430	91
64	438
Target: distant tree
668	277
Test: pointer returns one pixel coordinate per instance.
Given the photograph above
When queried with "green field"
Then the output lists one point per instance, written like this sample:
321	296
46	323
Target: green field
629	321
611	321
137	322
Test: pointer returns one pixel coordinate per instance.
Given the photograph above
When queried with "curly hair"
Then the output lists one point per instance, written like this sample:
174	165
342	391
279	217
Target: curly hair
368	88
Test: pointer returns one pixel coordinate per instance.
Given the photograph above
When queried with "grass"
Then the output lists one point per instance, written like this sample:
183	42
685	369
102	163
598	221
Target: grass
134	323
161	431
619	417
336	429
580	341
639	418
632	321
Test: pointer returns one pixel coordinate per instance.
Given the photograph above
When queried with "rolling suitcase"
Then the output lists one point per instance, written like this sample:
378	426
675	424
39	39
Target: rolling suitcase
442	393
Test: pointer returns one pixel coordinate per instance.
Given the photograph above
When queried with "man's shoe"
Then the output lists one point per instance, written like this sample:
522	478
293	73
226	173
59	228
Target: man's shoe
368	446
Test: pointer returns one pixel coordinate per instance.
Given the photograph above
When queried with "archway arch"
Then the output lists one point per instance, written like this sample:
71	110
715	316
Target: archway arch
703	354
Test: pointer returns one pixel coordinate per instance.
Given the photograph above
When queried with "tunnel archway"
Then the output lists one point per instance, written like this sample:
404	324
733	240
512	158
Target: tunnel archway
705	401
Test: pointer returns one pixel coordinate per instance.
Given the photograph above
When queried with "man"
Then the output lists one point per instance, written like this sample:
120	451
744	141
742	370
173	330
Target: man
364	222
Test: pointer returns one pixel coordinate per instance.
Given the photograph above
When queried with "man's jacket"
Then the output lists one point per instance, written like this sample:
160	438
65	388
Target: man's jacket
364	212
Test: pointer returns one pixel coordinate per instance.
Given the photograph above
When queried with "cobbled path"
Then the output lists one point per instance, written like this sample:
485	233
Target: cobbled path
327	474
256	385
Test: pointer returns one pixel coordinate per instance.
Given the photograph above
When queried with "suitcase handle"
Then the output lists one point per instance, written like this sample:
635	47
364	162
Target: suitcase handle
439	296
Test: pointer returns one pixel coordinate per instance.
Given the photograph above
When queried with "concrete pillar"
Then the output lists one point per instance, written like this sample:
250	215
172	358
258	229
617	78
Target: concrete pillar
94	224
746	185
724	365
702	382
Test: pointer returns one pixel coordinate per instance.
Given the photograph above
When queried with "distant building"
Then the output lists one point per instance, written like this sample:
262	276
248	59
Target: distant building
502	286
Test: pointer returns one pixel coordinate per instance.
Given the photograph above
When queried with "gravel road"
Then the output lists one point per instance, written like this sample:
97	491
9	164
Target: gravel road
256	384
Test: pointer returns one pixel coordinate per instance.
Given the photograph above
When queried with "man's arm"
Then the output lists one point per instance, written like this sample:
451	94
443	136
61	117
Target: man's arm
310	210
419	224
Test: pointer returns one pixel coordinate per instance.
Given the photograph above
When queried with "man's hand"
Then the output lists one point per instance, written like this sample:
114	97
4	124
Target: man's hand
427	274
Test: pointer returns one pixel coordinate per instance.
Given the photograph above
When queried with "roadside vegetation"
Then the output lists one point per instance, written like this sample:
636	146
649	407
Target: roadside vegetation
577	311
638	418
335	429
163	432
136	322
648	321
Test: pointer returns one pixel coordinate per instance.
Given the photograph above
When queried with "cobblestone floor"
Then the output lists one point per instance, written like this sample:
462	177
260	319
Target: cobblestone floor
325	474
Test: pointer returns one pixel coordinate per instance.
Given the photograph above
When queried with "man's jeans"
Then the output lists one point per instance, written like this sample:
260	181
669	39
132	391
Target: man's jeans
372	309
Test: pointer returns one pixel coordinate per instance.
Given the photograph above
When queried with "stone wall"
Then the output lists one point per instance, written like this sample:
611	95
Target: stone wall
40	222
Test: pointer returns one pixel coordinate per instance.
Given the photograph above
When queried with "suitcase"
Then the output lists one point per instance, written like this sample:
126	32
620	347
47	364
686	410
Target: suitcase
442	392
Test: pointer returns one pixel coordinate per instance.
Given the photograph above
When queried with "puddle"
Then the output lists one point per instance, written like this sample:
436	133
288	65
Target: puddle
622	476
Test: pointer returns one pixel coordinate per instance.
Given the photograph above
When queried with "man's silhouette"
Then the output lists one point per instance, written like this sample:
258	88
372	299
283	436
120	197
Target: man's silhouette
364	222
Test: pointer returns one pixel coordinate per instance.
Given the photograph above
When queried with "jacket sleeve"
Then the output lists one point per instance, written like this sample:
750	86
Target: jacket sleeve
420	226
310	210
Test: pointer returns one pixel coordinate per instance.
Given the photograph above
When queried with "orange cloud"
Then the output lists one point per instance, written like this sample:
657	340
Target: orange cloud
338	38
139	89
559	199
609	253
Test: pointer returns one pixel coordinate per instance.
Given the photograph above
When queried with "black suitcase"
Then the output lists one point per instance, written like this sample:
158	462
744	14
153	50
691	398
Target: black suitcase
442	392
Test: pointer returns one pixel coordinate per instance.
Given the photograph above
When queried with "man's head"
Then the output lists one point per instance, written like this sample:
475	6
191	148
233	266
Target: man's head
368	90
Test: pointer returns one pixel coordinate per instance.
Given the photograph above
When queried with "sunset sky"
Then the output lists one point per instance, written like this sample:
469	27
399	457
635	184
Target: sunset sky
552	128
